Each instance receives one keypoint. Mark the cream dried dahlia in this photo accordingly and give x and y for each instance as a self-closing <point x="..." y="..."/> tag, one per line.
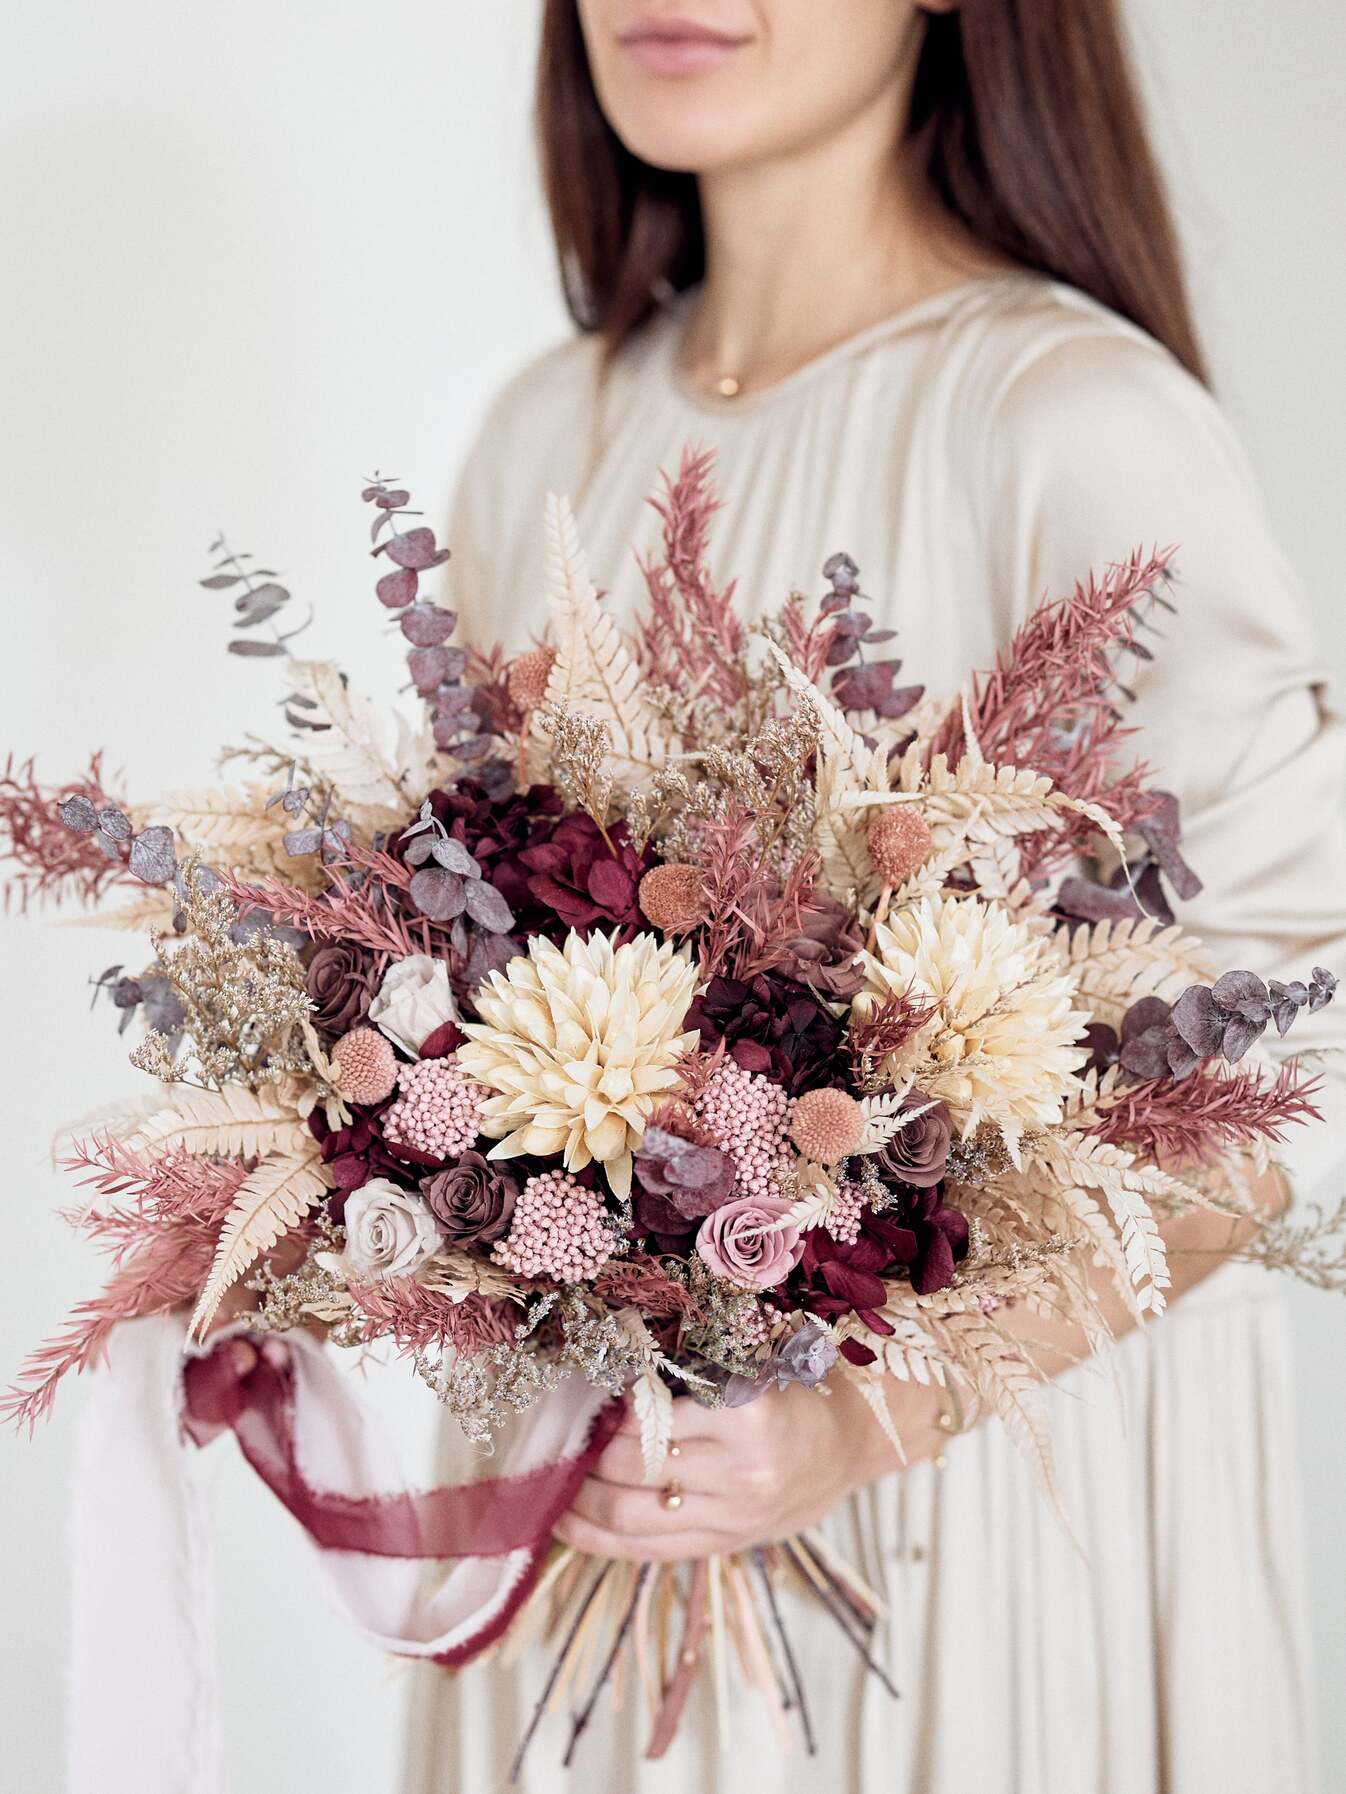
<point x="579" y="1042"/>
<point x="1001" y="1044"/>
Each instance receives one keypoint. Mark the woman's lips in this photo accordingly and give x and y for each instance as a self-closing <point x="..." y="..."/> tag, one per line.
<point x="679" y="47"/>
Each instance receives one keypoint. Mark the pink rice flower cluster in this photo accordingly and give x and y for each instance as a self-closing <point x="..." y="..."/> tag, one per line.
<point x="439" y="1110"/>
<point x="843" y="1218"/>
<point x="559" y="1230"/>
<point x="749" y="1117"/>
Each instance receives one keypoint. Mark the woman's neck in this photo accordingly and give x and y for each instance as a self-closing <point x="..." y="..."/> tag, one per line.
<point x="806" y="250"/>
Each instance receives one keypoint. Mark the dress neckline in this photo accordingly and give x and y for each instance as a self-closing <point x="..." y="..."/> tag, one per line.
<point x="676" y="317"/>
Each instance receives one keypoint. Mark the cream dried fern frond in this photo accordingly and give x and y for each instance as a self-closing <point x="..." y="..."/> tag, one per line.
<point x="270" y="1201"/>
<point x="375" y="787"/>
<point x="596" y="673"/>
<point x="235" y="1122"/>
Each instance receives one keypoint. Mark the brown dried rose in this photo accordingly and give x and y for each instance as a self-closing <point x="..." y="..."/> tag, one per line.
<point x="472" y="1200"/>
<point x="341" y="980"/>
<point x="916" y="1153"/>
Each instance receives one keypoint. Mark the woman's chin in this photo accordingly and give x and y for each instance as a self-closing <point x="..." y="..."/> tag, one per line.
<point x="685" y="140"/>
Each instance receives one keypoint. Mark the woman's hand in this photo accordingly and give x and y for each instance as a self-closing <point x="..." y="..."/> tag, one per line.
<point x="744" y="1475"/>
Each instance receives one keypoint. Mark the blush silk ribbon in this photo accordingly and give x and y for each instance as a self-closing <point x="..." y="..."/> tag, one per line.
<point x="139" y="1535"/>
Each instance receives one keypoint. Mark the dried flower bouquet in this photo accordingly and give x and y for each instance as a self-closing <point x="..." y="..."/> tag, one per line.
<point x="693" y="1008"/>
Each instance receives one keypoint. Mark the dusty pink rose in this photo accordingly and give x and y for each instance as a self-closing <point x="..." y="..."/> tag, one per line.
<point x="734" y="1243"/>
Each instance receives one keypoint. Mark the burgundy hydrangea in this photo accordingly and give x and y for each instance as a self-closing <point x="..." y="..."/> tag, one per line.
<point x="920" y="1236"/>
<point x="359" y="1152"/>
<point x="773" y="1025"/>
<point x="496" y="831"/>
<point x="585" y="879"/>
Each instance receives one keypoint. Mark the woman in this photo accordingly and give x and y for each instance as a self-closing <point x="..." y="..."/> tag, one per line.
<point x="910" y="273"/>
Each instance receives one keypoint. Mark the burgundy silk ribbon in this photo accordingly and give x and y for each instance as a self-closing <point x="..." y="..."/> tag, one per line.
<point x="249" y="1389"/>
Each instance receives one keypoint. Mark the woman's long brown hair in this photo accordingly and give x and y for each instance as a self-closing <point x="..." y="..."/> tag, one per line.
<point x="1035" y="141"/>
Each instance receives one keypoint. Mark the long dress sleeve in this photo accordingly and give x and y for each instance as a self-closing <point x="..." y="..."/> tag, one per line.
<point x="1101" y="442"/>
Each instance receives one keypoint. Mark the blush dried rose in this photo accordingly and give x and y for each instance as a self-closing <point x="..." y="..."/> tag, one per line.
<point x="471" y="1200"/>
<point x="413" y="1002"/>
<point x="734" y="1242"/>
<point x="389" y="1231"/>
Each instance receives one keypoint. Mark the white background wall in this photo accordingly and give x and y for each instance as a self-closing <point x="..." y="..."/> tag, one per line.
<point x="253" y="252"/>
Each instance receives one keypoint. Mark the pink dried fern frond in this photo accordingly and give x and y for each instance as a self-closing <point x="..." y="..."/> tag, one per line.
<point x="54" y="863"/>
<point x="1188" y="1122"/>
<point x="692" y="637"/>
<point x="166" y="1270"/>
<point x="161" y="1244"/>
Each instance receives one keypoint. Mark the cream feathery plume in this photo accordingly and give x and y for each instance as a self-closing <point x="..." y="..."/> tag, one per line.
<point x="578" y="1043"/>
<point x="1001" y="1044"/>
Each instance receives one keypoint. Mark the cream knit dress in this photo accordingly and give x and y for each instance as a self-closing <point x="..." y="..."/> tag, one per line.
<point x="976" y="451"/>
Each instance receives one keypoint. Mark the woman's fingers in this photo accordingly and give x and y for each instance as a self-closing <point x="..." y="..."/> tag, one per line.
<point x="691" y="1463"/>
<point x="617" y="1507"/>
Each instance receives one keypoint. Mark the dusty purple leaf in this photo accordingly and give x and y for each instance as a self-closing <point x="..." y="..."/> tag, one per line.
<point x="425" y="625"/>
<point x="1239" y="1035"/>
<point x="1242" y="993"/>
<point x="336" y="843"/>
<point x="257" y="650"/>
<point x="301" y="841"/>
<point x="427" y="668"/>
<point x="863" y="687"/>
<point x="476" y="747"/>
<point x="1198" y="1020"/>
<point x="416" y="548"/>
<point x="114" y="824"/>
<point x="392" y="500"/>
<point x="219" y="582"/>
<point x="1149" y="1012"/>
<point x="1286" y="1002"/>
<point x="1162" y="834"/>
<point x="153" y="860"/>
<point x="900" y="700"/>
<point x="259" y="604"/>
<point x="110" y="849"/>
<point x="438" y="894"/>
<point x="397" y="589"/>
<point x="78" y="813"/>
<point x="841" y="572"/>
<point x="488" y="908"/>
<point x="420" y="850"/>
<point x="454" y="857"/>
<point x="1322" y="988"/>
<point x="489" y="953"/>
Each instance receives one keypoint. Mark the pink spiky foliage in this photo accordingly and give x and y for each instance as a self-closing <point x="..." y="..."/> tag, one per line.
<point x="1051" y="702"/>
<point x="807" y="641"/>
<point x="1190" y="1121"/>
<point x="692" y="637"/>
<point x="641" y="1282"/>
<point x="417" y="1319"/>
<point x="55" y="863"/>
<point x="487" y="672"/>
<point x="885" y="1029"/>
<point x="158" y="1216"/>
<point x="751" y="916"/>
<point x="375" y="912"/>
